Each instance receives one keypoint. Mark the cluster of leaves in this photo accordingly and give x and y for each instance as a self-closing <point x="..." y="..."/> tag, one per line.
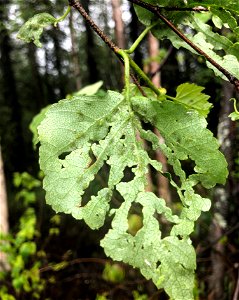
<point x="20" y="248"/>
<point x="80" y="135"/>
<point x="222" y="14"/>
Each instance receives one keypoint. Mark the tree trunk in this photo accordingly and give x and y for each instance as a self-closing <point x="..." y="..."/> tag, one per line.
<point x="4" y="226"/>
<point x="162" y="182"/>
<point x="119" y="30"/>
<point x="90" y="48"/>
<point x="74" y="53"/>
<point x="222" y="195"/>
<point x="38" y="89"/>
<point x="119" y="24"/>
<point x="13" y="126"/>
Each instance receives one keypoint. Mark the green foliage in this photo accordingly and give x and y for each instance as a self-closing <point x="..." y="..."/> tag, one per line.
<point x="198" y="32"/>
<point x="32" y="30"/>
<point x="87" y="132"/>
<point x="190" y="96"/>
<point x="113" y="273"/>
<point x="20" y="248"/>
<point x="234" y="115"/>
<point x="94" y="131"/>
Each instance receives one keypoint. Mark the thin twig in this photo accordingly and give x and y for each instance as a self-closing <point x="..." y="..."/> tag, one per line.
<point x="157" y="11"/>
<point x="77" y="5"/>
<point x="196" y="9"/>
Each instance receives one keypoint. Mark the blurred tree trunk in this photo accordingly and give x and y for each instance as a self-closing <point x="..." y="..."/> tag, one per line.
<point x="37" y="83"/>
<point x="119" y="30"/>
<point x="58" y="54"/>
<point x="90" y="48"/>
<point x="13" y="127"/>
<point x="51" y="96"/>
<point x="119" y="24"/>
<point x="58" y="63"/>
<point x="4" y="226"/>
<point x="162" y="182"/>
<point x="222" y="196"/>
<point x="74" y="53"/>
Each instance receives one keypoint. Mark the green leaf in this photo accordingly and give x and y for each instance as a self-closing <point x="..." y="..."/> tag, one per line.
<point x="190" y="96"/>
<point x="234" y="116"/>
<point x="90" y="89"/>
<point x="81" y="135"/>
<point x="85" y="120"/>
<point x="32" y="30"/>
<point x="186" y="138"/>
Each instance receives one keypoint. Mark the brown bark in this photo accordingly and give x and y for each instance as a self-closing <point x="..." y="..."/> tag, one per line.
<point x="74" y="53"/>
<point x="162" y="182"/>
<point x="222" y="195"/>
<point x="119" y="24"/>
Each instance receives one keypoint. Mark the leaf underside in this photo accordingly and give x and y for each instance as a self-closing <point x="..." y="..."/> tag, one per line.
<point x="81" y="135"/>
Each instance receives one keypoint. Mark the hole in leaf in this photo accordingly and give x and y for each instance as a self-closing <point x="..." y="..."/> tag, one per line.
<point x="135" y="219"/>
<point x="117" y="199"/>
<point x="164" y="225"/>
<point x="188" y="166"/>
<point x="128" y="174"/>
<point x="158" y="263"/>
<point x="100" y="181"/>
<point x="64" y="155"/>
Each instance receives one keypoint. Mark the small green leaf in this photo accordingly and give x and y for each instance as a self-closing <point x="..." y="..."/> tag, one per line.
<point x="90" y="89"/>
<point x="32" y="30"/>
<point x="191" y="96"/>
<point x="234" y="116"/>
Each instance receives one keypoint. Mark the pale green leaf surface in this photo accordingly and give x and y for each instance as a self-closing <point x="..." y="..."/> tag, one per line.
<point x="81" y="135"/>
<point x="191" y="96"/>
<point x="234" y="116"/>
<point x="90" y="89"/>
<point x="83" y="121"/>
<point x="32" y="30"/>
<point x="186" y="135"/>
<point x="226" y="17"/>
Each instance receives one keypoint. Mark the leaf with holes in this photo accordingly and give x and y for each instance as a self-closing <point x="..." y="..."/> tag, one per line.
<point x="81" y="135"/>
<point x="32" y="30"/>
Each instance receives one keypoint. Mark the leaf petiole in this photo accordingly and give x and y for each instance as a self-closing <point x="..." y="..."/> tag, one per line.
<point x="126" y="58"/>
<point x="63" y="16"/>
<point x="140" y="38"/>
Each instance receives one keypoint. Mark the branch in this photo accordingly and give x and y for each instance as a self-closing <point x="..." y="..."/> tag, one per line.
<point x="196" y="9"/>
<point x="157" y="11"/>
<point x="77" y="5"/>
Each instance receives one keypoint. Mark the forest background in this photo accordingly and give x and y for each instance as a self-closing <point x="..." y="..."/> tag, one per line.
<point x="61" y="257"/>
